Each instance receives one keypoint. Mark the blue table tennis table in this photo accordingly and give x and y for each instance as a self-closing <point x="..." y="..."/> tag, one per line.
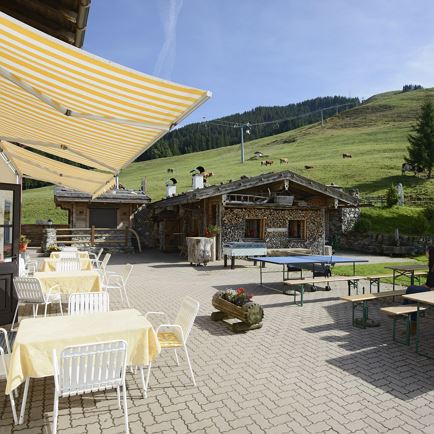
<point x="299" y="261"/>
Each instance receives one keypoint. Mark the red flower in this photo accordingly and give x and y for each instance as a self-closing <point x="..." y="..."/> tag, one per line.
<point x="240" y="291"/>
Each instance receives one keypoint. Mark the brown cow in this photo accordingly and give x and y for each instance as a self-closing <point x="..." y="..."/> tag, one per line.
<point x="347" y="155"/>
<point x="283" y="161"/>
<point x="267" y="163"/>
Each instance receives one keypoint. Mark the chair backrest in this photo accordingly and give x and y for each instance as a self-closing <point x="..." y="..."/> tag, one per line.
<point x="28" y="289"/>
<point x="186" y="315"/>
<point x="104" y="262"/>
<point x="88" y="302"/>
<point x="89" y="368"/>
<point x="101" y="250"/>
<point x="69" y="249"/>
<point x="126" y="272"/>
<point x="68" y="255"/>
<point x="21" y="267"/>
<point x="68" y="264"/>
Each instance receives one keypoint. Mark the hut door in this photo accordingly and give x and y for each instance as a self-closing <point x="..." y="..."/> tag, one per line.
<point x="10" y="204"/>
<point x="103" y="217"/>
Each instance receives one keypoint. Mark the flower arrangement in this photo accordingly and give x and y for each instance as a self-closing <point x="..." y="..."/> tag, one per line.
<point x="24" y="241"/>
<point x="237" y="296"/>
<point x="212" y="231"/>
<point x="53" y="248"/>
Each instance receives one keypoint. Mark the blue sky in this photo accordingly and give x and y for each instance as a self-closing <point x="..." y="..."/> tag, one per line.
<point x="275" y="52"/>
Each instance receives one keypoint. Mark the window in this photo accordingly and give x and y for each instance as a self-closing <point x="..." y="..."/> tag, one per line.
<point x="296" y="229"/>
<point x="254" y="228"/>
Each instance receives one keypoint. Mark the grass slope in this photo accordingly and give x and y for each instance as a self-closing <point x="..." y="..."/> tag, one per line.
<point x="375" y="133"/>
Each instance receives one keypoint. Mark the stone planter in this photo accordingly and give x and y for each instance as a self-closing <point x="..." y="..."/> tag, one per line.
<point x="250" y="314"/>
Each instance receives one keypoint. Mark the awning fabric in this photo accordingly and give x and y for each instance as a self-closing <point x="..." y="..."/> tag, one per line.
<point x="35" y="166"/>
<point x="64" y="101"/>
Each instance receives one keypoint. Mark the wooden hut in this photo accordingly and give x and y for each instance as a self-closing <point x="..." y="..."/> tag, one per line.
<point x="283" y="209"/>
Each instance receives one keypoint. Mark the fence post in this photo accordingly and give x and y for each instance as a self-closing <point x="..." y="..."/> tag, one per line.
<point x="92" y="236"/>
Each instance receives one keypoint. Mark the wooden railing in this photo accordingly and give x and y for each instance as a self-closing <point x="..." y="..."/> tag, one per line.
<point x="98" y="237"/>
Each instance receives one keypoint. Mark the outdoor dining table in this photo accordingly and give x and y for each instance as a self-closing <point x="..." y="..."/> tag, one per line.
<point x="406" y="270"/>
<point x="420" y="298"/>
<point x="37" y="338"/>
<point x="49" y="264"/>
<point x="70" y="281"/>
<point x="81" y="255"/>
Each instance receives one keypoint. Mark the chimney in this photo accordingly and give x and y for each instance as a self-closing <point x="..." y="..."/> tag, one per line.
<point x="171" y="187"/>
<point x="197" y="181"/>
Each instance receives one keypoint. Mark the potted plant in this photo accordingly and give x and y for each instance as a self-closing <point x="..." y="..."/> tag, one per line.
<point x="212" y="231"/>
<point x="52" y="248"/>
<point x="24" y="242"/>
<point x="237" y="303"/>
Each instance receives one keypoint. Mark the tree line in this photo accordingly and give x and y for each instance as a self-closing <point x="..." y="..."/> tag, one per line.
<point x="213" y="134"/>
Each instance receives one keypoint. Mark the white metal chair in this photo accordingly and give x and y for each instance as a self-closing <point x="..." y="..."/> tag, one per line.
<point x="90" y="368"/>
<point x="4" y="367"/>
<point x="29" y="291"/>
<point x="69" y="249"/>
<point x="103" y="264"/>
<point x="68" y="264"/>
<point x="88" y="303"/>
<point x="118" y="281"/>
<point x="177" y="337"/>
<point x="73" y="254"/>
<point x="26" y="267"/>
<point x="96" y="258"/>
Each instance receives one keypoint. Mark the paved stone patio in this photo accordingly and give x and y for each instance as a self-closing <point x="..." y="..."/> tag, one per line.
<point x="306" y="371"/>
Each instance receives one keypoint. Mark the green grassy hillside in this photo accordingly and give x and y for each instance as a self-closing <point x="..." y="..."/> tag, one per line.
<point x="375" y="134"/>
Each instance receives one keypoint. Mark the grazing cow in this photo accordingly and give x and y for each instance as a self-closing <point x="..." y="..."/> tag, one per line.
<point x="267" y="163"/>
<point x="207" y="175"/>
<point x="283" y="161"/>
<point x="347" y="155"/>
<point x="308" y="167"/>
<point x="170" y="170"/>
<point x="410" y="167"/>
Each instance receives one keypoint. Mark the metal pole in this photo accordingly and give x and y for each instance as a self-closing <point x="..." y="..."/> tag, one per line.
<point x="322" y="119"/>
<point x="242" y="143"/>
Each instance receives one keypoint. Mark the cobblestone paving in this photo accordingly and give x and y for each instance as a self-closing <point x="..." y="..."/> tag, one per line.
<point x="306" y="371"/>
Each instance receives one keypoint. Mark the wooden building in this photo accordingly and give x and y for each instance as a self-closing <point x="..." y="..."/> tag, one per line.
<point x="64" y="19"/>
<point x="285" y="210"/>
<point x="113" y="209"/>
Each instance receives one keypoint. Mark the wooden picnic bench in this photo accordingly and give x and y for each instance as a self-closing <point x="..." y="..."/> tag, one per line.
<point x="375" y="280"/>
<point x="404" y="312"/>
<point x="363" y="299"/>
<point x="299" y="284"/>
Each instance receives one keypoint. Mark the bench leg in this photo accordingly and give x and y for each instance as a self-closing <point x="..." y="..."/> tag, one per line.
<point x="365" y="313"/>
<point x="232" y="262"/>
<point x="225" y="261"/>
<point x="408" y="330"/>
<point x="394" y="329"/>
<point x="301" y="295"/>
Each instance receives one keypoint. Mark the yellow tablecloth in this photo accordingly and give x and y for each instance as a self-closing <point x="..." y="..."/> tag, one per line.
<point x="70" y="281"/>
<point x="50" y="264"/>
<point x="82" y="255"/>
<point x="38" y="337"/>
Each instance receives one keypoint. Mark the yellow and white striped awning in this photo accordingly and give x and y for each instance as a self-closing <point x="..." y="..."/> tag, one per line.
<point x="69" y="103"/>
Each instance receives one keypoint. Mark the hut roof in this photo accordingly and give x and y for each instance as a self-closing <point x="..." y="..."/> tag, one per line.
<point x="256" y="181"/>
<point x="62" y="195"/>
